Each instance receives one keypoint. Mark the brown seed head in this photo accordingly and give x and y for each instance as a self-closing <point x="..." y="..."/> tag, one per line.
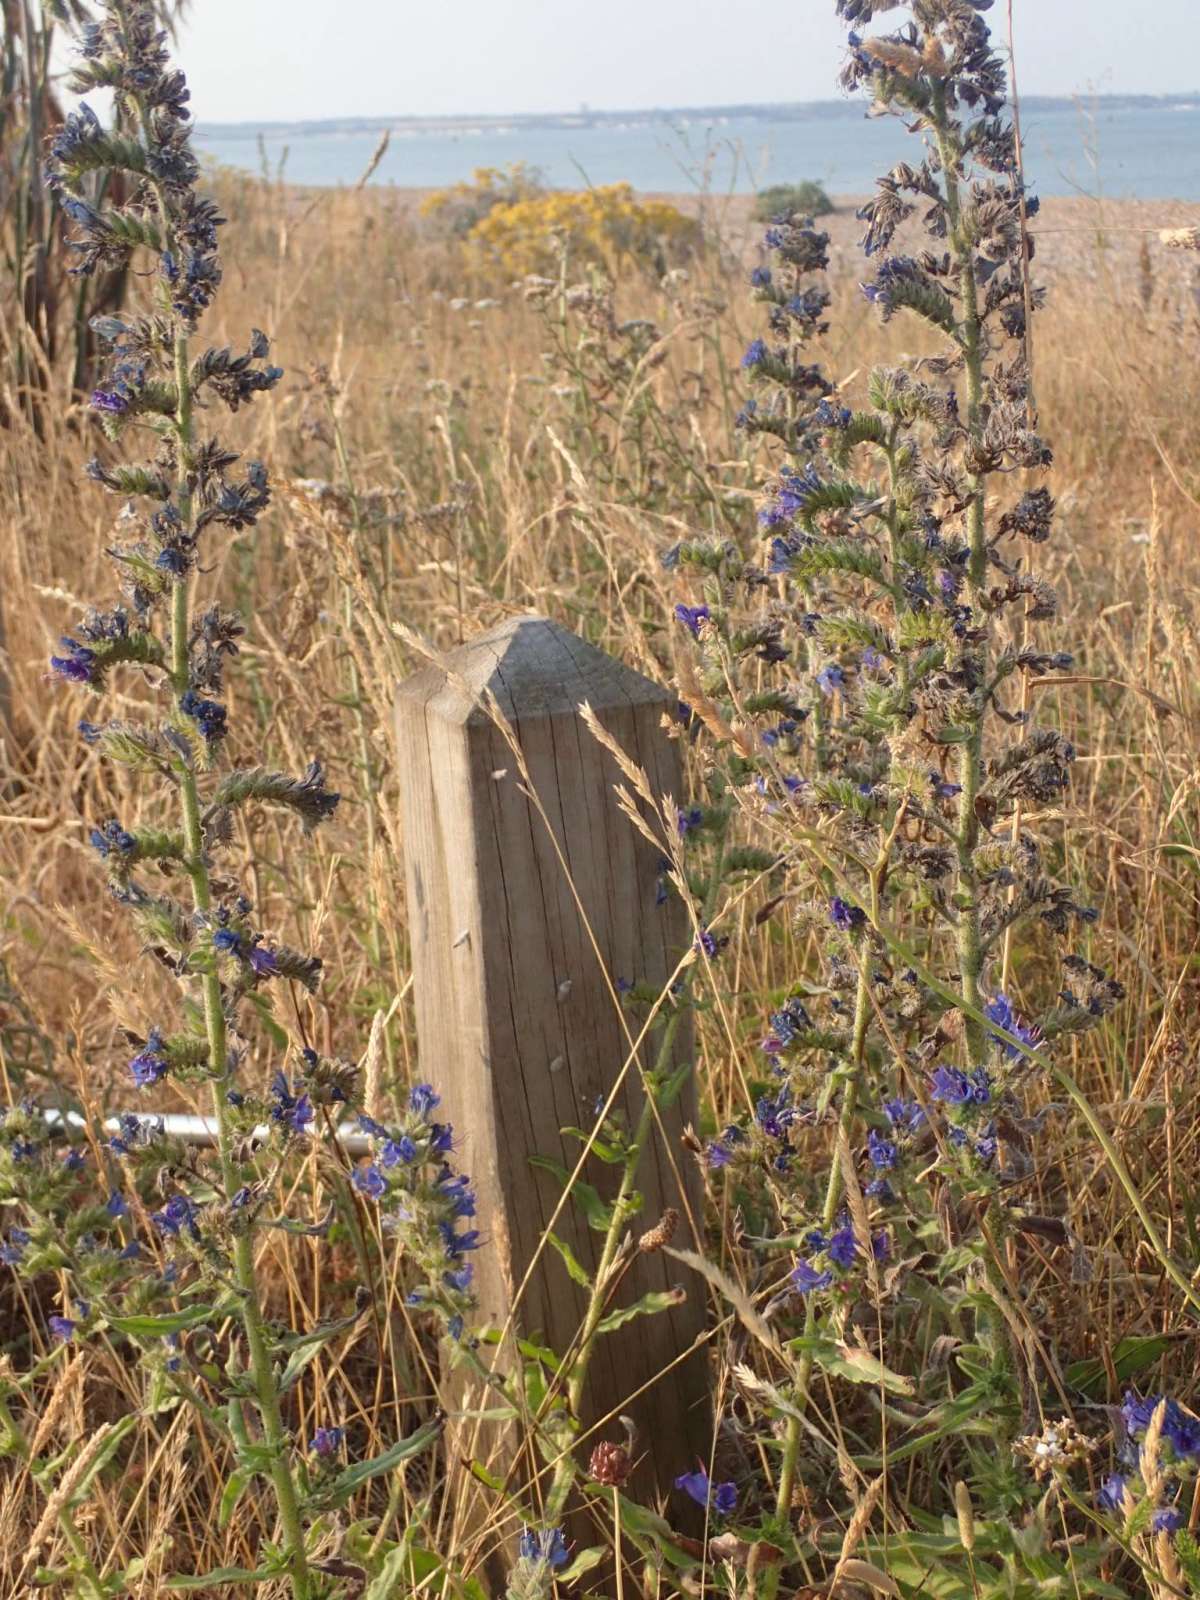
<point x="610" y="1464"/>
<point x="661" y="1234"/>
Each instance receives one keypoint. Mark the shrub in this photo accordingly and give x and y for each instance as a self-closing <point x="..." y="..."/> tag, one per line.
<point x="510" y="219"/>
<point x="454" y="212"/>
<point x="786" y="199"/>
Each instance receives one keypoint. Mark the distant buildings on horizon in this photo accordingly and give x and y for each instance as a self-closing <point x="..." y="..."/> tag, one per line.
<point x="585" y="117"/>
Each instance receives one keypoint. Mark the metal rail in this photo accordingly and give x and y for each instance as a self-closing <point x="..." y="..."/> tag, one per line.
<point x="201" y="1131"/>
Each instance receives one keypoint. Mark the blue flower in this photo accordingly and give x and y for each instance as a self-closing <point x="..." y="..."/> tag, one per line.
<point x="208" y="715"/>
<point x="756" y="354"/>
<point x="112" y="839"/>
<point x="941" y="789"/>
<point x="792" y="496"/>
<point x="688" y="820"/>
<point x="398" y="1152"/>
<point x="775" y="1115"/>
<point x="292" y="1110"/>
<point x="1111" y="1493"/>
<point x="828" y="415"/>
<point x="987" y="1147"/>
<point x="692" y="617"/>
<point x="955" y="1087"/>
<point x="457" y="1192"/>
<point x="906" y="1116"/>
<point x="457" y="1243"/>
<point x="842" y="1248"/>
<point x="62" y="1328"/>
<point x="1000" y="1011"/>
<point x="150" y="1064"/>
<point x="13" y="1248"/>
<point x="264" y="962"/>
<point x="370" y="1181"/>
<point x="178" y="1213"/>
<point x="78" y="665"/>
<point x="845" y="916"/>
<point x="460" y="1278"/>
<point x="327" y="1442"/>
<point x="130" y="1132"/>
<point x="108" y="400"/>
<point x="1167" y="1519"/>
<point x="760" y="278"/>
<point x="831" y="678"/>
<point x="881" y="1152"/>
<point x="423" y="1100"/>
<point x="805" y="1278"/>
<point x="546" y="1545"/>
<point x="720" y="1497"/>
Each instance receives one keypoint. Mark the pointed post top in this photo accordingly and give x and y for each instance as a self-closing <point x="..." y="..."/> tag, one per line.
<point x="533" y="666"/>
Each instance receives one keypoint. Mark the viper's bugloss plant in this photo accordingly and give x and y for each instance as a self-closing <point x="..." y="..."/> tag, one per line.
<point x="866" y="672"/>
<point x="159" y="1246"/>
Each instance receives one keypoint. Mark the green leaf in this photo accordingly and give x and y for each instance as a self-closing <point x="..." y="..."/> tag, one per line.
<point x="957" y="1417"/>
<point x="148" y="1327"/>
<point x="656" y="1300"/>
<point x="402" y="1570"/>
<point x="849" y="1362"/>
<point x="305" y="1346"/>
<point x="597" y="1147"/>
<point x="206" y="1580"/>
<point x="578" y="1272"/>
<point x="488" y="1479"/>
<point x="360" y="1472"/>
<point x="230" y="1495"/>
<point x="583" y="1562"/>
<point x="1129" y="1357"/>
<point x="599" y="1215"/>
<point x="673" y="1086"/>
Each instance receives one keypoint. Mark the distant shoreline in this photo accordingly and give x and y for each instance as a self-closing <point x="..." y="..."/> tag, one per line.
<point x="573" y="121"/>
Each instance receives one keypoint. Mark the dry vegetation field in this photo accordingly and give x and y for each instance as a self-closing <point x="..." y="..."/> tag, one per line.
<point x="447" y="453"/>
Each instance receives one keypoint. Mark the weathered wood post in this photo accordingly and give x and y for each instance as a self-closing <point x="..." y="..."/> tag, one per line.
<point x="516" y="1019"/>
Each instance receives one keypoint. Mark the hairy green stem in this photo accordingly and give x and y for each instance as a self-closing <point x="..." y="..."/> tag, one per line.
<point x="250" y="1306"/>
<point x="970" y="764"/>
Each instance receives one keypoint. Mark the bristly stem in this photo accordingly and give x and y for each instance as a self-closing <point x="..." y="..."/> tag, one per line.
<point x="250" y="1306"/>
<point x="970" y="764"/>
<point x="214" y="1022"/>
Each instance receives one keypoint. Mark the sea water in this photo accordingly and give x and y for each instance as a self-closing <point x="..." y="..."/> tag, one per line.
<point x="1112" y="148"/>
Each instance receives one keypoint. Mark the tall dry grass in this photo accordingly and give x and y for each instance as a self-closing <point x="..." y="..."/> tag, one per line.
<point x="444" y="456"/>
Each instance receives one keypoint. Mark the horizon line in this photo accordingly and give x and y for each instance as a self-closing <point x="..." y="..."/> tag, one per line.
<point x="586" y="113"/>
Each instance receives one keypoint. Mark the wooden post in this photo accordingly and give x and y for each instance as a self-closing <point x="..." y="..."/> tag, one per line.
<point x="516" y="1018"/>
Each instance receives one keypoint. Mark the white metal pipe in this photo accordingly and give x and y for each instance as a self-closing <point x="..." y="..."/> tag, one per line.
<point x="202" y="1131"/>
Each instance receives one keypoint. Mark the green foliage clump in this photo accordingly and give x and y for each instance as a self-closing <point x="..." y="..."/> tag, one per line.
<point x="786" y="199"/>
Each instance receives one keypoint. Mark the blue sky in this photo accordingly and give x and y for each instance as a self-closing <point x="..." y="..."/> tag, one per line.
<point x="264" y="60"/>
